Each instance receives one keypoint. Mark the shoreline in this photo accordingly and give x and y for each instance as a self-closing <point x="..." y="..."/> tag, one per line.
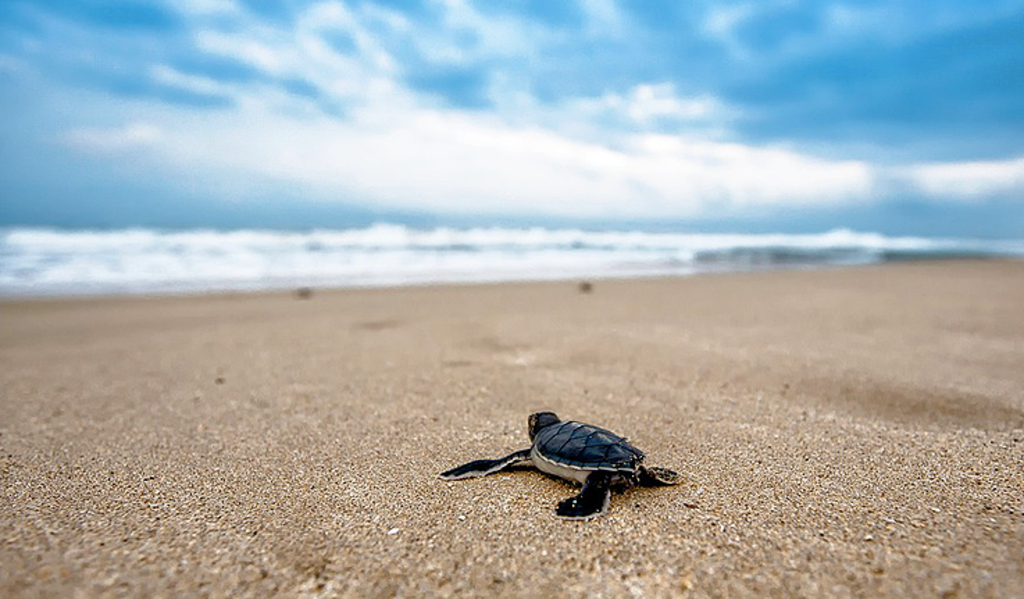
<point x="842" y="431"/>
<point x="147" y="261"/>
<point x="329" y="288"/>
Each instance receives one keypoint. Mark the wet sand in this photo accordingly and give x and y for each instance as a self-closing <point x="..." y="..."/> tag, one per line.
<point x="853" y="432"/>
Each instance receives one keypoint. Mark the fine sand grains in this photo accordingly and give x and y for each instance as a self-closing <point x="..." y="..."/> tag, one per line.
<point x="854" y="432"/>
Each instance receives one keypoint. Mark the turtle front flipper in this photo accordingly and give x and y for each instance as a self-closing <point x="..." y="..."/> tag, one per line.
<point x="591" y="502"/>
<point x="658" y="477"/>
<point x="484" y="467"/>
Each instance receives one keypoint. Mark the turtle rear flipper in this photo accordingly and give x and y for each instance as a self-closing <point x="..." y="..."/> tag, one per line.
<point x="484" y="467"/>
<point x="652" y="476"/>
<point x="591" y="502"/>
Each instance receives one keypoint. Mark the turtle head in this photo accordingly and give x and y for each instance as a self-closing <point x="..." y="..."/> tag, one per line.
<point x="540" y="420"/>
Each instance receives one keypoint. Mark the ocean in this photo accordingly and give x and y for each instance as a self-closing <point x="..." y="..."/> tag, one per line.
<point x="54" y="262"/>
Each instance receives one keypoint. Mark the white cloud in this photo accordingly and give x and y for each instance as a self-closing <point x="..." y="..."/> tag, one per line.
<point x="722" y="20"/>
<point x="607" y="155"/>
<point x="243" y="48"/>
<point x="720" y="23"/>
<point x="207" y="7"/>
<point x="303" y="52"/>
<point x="327" y="15"/>
<point x="465" y="36"/>
<point x="968" y="180"/>
<point x="396" y="149"/>
<point x="604" y="18"/>
<point x="129" y="137"/>
<point x="171" y="77"/>
<point x="649" y="102"/>
<point x="646" y="103"/>
<point x="419" y="158"/>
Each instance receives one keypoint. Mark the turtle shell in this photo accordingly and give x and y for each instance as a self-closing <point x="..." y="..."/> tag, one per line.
<point x="586" y="447"/>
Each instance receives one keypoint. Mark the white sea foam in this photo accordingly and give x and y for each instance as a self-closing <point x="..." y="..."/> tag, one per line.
<point x="54" y="262"/>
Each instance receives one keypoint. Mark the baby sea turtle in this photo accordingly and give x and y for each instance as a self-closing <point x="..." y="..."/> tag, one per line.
<point x="581" y="453"/>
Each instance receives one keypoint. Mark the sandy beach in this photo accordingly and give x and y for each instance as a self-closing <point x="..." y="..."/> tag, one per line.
<point x="848" y="432"/>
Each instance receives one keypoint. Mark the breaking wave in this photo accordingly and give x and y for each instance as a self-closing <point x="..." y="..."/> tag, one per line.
<point x="35" y="261"/>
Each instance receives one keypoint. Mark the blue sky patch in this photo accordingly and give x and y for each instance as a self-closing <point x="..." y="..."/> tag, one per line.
<point x="639" y="111"/>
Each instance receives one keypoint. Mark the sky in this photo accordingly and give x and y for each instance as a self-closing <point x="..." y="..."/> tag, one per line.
<point x="776" y="115"/>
